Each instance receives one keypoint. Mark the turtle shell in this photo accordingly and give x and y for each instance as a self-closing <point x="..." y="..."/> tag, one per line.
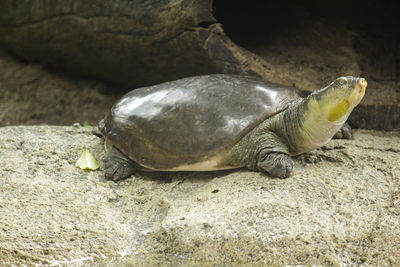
<point x="192" y="119"/>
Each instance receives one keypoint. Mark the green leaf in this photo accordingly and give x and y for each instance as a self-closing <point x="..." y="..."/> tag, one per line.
<point x="87" y="161"/>
<point x="86" y="124"/>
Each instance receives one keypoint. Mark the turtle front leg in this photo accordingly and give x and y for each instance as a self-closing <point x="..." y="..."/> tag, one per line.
<point x="117" y="166"/>
<point x="262" y="151"/>
<point x="276" y="164"/>
<point x="345" y="132"/>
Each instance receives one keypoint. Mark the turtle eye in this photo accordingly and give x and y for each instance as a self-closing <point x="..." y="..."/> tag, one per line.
<point x="341" y="81"/>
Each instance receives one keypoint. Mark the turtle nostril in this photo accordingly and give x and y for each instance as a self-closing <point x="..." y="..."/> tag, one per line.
<point x="362" y="83"/>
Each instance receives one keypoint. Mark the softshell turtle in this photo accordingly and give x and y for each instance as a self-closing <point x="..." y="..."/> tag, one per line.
<point x="219" y="121"/>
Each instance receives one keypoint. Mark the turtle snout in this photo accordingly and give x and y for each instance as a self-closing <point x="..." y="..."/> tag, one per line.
<point x="358" y="91"/>
<point x="362" y="84"/>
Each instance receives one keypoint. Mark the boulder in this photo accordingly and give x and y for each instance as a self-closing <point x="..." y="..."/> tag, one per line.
<point x="129" y="43"/>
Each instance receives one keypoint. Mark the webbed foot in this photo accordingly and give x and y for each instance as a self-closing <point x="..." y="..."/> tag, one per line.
<point x="344" y="133"/>
<point x="277" y="165"/>
<point x="117" y="166"/>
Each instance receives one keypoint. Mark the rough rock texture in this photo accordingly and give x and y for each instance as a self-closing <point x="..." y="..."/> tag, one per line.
<point x="126" y="42"/>
<point x="30" y="94"/>
<point x="341" y="207"/>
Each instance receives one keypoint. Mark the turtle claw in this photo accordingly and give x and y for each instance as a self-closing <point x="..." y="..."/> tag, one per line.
<point x="344" y="133"/>
<point x="277" y="165"/>
<point x="117" y="166"/>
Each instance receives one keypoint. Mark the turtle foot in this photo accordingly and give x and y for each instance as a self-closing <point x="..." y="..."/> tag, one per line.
<point x="277" y="165"/>
<point x="344" y="133"/>
<point x="117" y="166"/>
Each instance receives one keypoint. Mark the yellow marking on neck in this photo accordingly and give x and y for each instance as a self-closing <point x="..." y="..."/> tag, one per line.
<point x="339" y="110"/>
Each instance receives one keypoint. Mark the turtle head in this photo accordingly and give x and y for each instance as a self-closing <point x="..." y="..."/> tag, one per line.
<point x="324" y="111"/>
<point x="336" y="101"/>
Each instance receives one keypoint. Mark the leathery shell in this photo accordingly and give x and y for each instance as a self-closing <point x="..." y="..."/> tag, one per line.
<point x="190" y="120"/>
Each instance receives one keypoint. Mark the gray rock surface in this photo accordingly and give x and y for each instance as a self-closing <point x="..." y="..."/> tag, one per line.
<point x="342" y="206"/>
<point x="31" y="95"/>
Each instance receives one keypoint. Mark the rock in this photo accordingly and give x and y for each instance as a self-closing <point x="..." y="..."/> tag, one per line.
<point x="341" y="207"/>
<point x="31" y="94"/>
<point x="129" y="43"/>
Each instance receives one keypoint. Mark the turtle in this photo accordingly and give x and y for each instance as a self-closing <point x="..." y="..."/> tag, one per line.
<point x="223" y="121"/>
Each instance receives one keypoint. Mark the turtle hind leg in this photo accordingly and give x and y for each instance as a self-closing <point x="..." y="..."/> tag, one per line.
<point x="345" y="132"/>
<point x="117" y="166"/>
